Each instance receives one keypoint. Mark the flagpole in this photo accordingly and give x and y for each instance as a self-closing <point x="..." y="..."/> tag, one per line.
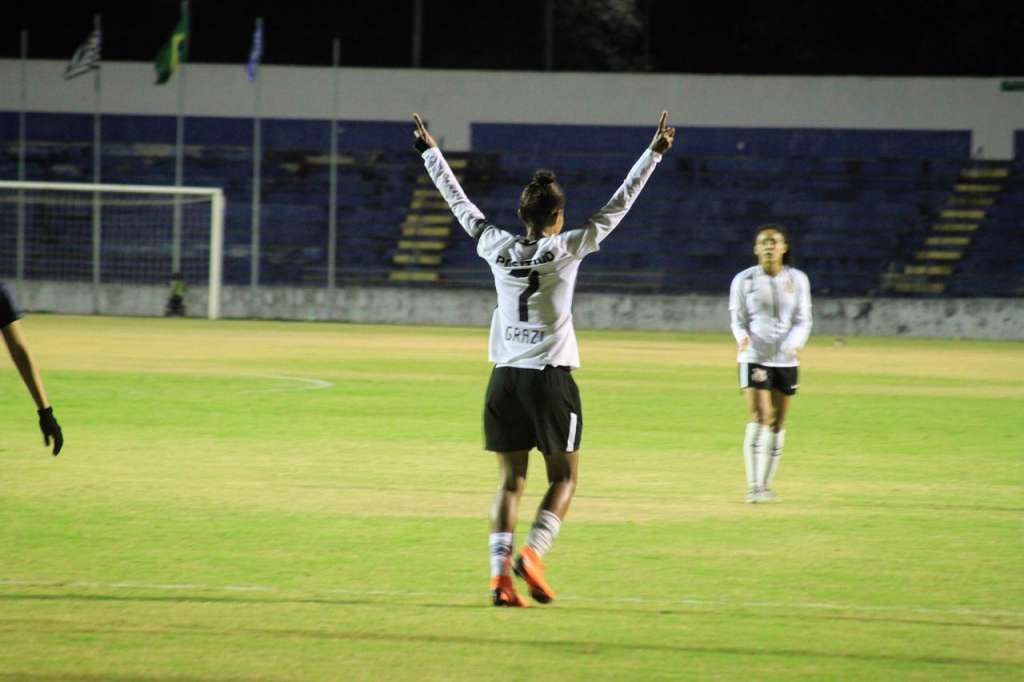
<point x="20" y="257"/>
<point x="332" y="221"/>
<point x="97" y="226"/>
<point x="179" y="153"/>
<point x="179" y="156"/>
<point x="257" y="158"/>
<point x="97" y="101"/>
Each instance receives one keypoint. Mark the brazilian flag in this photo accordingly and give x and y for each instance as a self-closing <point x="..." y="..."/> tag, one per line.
<point x="175" y="50"/>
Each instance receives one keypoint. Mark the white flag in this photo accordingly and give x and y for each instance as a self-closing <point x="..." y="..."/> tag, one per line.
<point x="86" y="57"/>
<point x="255" y="52"/>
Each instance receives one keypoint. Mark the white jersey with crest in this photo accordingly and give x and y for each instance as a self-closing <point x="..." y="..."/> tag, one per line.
<point x="532" y="324"/>
<point x="773" y="312"/>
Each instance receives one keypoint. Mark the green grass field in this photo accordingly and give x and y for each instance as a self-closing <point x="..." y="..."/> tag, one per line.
<point x="300" y="501"/>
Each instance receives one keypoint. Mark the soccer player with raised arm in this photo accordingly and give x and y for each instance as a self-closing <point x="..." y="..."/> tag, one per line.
<point x="770" y="307"/>
<point x="15" y="340"/>
<point x="532" y="400"/>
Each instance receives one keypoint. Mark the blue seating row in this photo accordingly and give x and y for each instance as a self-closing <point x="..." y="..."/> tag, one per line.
<point x="851" y="198"/>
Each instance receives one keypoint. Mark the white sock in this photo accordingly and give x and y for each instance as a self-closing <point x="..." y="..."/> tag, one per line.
<point x="501" y="550"/>
<point x="748" y="452"/>
<point x="762" y="453"/>
<point x="542" y="533"/>
<point x="773" y="463"/>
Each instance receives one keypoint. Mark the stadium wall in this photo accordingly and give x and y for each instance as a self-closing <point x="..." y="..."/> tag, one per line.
<point x="976" y="318"/>
<point x="452" y="100"/>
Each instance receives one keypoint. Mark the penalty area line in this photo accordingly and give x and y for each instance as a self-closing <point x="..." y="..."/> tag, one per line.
<point x="713" y="603"/>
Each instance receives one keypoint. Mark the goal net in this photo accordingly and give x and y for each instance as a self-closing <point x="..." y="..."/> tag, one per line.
<point x="113" y="237"/>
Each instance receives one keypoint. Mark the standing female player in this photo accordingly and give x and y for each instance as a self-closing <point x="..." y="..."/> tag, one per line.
<point x="532" y="400"/>
<point x="770" y="306"/>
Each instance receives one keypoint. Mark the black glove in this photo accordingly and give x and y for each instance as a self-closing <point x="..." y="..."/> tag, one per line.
<point x="420" y="146"/>
<point x="50" y="428"/>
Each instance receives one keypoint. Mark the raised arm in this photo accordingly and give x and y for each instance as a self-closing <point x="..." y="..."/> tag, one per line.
<point x="601" y="224"/>
<point x="468" y="215"/>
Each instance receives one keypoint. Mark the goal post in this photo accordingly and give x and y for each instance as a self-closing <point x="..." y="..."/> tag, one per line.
<point x="111" y="234"/>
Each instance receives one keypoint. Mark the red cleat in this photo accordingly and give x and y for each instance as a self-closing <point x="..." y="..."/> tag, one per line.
<point x="528" y="566"/>
<point x="503" y="593"/>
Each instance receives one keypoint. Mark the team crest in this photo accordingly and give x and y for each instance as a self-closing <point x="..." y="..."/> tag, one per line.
<point x="790" y="286"/>
<point x="759" y="375"/>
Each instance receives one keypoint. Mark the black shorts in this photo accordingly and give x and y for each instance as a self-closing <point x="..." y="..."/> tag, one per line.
<point x="785" y="380"/>
<point x="527" y="408"/>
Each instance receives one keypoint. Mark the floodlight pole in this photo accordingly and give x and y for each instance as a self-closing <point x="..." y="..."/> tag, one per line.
<point x="417" y="33"/>
<point x="332" y="211"/>
<point x="549" y="34"/>
<point x="20" y="246"/>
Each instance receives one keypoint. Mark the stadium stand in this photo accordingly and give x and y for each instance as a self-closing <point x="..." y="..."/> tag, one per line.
<point x="991" y="261"/>
<point x="852" y="200"/>
<point x="870" y="212"/>
<point x="374" y="184"/>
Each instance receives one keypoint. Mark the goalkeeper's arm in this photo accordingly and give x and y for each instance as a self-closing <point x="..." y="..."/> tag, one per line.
<point x="15" y="341"/>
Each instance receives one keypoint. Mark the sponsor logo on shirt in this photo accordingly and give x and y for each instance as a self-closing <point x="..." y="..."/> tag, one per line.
<point x="545" y="257"/>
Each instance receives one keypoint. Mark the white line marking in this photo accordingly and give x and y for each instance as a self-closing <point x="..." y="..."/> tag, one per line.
<point x="720" y="603"/>
<point x="170" y="586"/>
<point x="311" y="384"/>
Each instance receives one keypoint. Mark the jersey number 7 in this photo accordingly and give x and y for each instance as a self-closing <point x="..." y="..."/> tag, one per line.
<point x="531" y="288"/>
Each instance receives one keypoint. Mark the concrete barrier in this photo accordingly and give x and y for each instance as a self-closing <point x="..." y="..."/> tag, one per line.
<point x="975" y="318"/>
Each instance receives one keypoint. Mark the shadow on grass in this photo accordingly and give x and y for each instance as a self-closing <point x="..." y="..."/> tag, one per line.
<point x="76" y="677"/>
<point x="930" y="506"/>
<point x="193" y="599"/>
<point x="565" y="646"/>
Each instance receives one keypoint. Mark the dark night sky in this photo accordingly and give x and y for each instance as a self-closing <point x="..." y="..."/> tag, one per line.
<point x="901" y="37"/>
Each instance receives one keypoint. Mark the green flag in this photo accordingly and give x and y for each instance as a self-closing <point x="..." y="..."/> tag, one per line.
<point x="175" y="50"/>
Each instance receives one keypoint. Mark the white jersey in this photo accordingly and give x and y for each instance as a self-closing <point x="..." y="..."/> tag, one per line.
<point x="532" y="324"/>
<point x="773" y="312"/>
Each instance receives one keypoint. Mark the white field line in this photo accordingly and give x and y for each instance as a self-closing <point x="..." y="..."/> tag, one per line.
<point x="309" y="383"/>
<point x="717" y="603"/>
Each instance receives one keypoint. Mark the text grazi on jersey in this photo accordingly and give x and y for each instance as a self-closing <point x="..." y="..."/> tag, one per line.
<point x="523" y="335"/>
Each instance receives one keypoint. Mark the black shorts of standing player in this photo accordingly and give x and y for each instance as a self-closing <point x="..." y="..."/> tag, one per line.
<point x="527" y="408"/>
<point x="785" y="380"/>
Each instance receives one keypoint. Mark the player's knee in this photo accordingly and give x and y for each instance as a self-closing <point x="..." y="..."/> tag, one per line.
<point x="567" y="485"/>
<point x="514" y="485"/>
<point x="563" y="476"/>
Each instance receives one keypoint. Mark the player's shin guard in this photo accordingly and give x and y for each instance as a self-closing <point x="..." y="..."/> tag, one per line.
<point x="762" y="453"/>
<point x="776" y="455"/>
<point x="749" y="434"/>
<point x="543" y="532"/>
<point x="501" y="553"/>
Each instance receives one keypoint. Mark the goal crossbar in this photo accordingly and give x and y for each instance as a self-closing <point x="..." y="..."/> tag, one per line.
<point x="100" y="187"/>
<point x="217" y="206"/>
